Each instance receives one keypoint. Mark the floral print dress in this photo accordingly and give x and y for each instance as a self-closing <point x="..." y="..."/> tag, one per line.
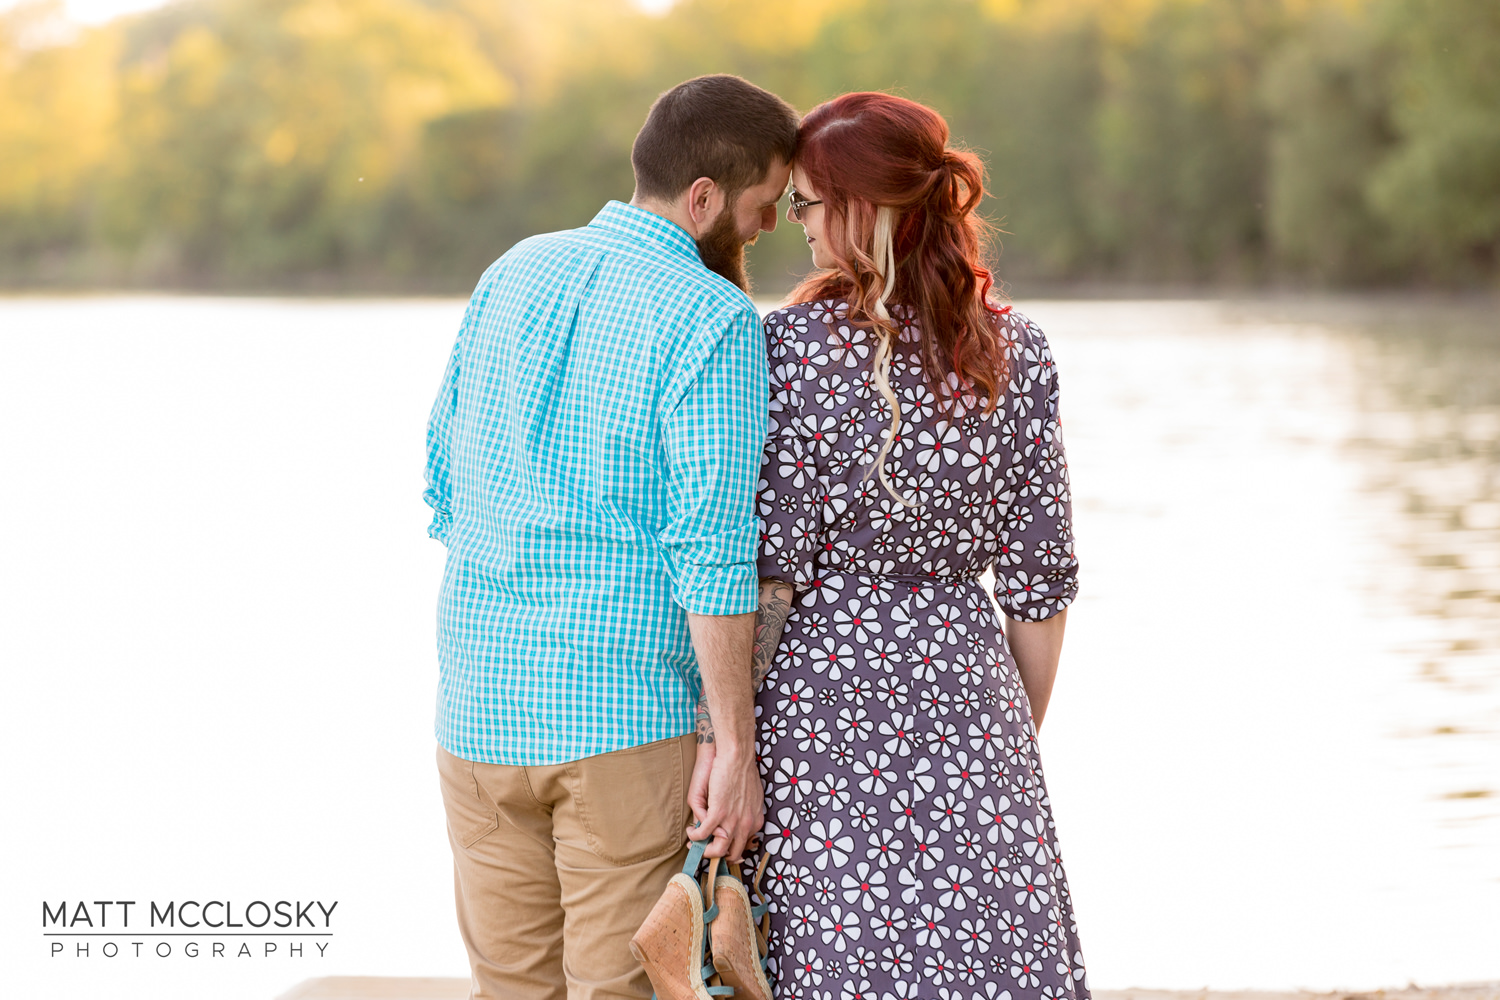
<point x="911" y="842"/>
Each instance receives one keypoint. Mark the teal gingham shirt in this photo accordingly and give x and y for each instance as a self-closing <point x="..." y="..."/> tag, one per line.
<point x="591" y="464"/>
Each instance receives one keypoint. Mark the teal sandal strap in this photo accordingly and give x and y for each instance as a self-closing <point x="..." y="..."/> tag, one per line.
<point x="694" y="857"/>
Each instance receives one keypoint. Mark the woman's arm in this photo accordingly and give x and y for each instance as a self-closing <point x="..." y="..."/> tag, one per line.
<point x="1036" y="647"/>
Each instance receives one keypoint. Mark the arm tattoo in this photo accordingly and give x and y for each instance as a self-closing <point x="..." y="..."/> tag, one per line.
<point x="705" y="724"/>
<point x="770" y="620"/>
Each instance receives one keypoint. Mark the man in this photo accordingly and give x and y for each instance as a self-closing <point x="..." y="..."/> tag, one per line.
<point x="592" y="461"/>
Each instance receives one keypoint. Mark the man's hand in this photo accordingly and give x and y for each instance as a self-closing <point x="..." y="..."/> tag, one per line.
<point x="727" y="800"/>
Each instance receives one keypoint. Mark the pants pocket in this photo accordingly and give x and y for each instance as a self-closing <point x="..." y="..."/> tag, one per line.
<point x="471" y="814"/>
<point x="632" y="803"/>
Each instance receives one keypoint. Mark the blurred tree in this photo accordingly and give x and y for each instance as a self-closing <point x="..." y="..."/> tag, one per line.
<point x="1326" y="90"/>
<point x="262" y="138"/>
<point x="1440" y="187"/>
<point x="57" y="115"/>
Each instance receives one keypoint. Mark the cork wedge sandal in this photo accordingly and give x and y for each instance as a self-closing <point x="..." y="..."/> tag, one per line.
<point x="673" y="942"/>
<point x="740" y="934"/>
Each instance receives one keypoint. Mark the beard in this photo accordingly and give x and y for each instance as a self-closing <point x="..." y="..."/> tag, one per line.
<point x="723" y="251"/>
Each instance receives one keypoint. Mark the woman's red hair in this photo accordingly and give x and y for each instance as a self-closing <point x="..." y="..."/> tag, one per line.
<point x="864" y="151"/>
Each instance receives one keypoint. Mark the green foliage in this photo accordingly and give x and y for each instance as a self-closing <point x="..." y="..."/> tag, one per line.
<point x="406" y="143"/>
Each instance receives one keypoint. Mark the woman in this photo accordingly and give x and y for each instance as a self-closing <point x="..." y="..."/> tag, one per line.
<point x="914" y="445"/>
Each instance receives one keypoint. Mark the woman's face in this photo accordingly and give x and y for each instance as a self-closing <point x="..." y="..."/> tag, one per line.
<point x="812" y="220"/>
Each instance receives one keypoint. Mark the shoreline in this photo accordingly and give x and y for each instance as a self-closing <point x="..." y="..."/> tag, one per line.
<point x="441" y="988"/>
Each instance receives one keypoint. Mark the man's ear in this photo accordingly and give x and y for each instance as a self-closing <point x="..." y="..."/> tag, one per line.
<point x="705" y="200"/>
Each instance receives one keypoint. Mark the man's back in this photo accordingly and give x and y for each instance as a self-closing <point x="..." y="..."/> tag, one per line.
<point x="593" y="457"/>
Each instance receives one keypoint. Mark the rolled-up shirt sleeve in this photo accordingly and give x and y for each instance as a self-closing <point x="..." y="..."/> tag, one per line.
<point x="713" y="430"/>
<point x="438" y="494"/>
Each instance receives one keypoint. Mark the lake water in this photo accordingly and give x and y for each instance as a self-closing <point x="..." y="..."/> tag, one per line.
<point x="1273" y="751"/>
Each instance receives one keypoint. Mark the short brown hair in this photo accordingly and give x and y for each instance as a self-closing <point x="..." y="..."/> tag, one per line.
<point x="721" y="127"/>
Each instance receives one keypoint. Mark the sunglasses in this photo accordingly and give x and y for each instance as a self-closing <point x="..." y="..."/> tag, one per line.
<point x="799" y="203"/>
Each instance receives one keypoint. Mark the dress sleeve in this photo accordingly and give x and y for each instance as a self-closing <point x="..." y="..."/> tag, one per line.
<point x="789" y="491"/>
<point x="711" y="433"/>
<point x="1036" y="573"/>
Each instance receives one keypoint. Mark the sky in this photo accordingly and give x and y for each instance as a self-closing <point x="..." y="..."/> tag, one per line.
<point x="100" y="11"/>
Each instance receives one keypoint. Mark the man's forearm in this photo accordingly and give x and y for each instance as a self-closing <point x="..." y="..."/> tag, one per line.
<point x="770" y="621"/>
<point x="723" y="645"/>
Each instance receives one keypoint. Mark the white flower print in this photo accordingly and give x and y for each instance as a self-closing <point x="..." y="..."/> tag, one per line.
<point x="865" y="886"/>
<point x="861" y="620"/>
<point x="1054" y="497"/>
<point x="984" y="736"/>
<point x="850" y="345"/>
<point x="943" y="738"/>
<point x="1024" y="787"/>
<point x="876" y="590"/>
<point x="864" y="816"/>
<point x="876" y="772"/>
<point x="792" y="464"/>
<point x="964" y="776"/>
<point x="891" y="692"/>
<point x="1014" y="710"/>
<point x="802" y="921"/>
<point x="832" y="658"/>
<point x="832" y="392"/>
<point x="1031" y="888"/>
<point x="780" y="832"/>
<point x="829" y="589"/>
<point x="1021" y="587"/>
<point x="812" y="734"/>
<point x="885" y="848"/>
<point x="825" y="844"/>
<point x="911" y="885"/>
<point x="983" y="458"/>
<point x="988" y="907"/>
<point x="920" y="775"/>
<point x="934" y="701"/>
<point x="927" y="660"/>
<point x="1034" y="842"/>
<point x="995" y="819"/>
<point x="807" y="967"/>
<point x="937" y="447"/>
<point x="796" y="697"/>
<point x="1012" y="929"/>
<point x="996" y="869"/>
<point x="956" y="890"/>
<point x="928" y="853"/>
<point x="967" y="843"/>
<point x="948" y="624"/>
<point x="1024" y="969"/>
<point x="974" y="936"/>
<point x="929" y="926"/>
<point x="860" y="991"/>
<point x="904" y="807"/>
<point x="897" y="959"/>
<point x="854" y="723"/>
<point x="823" y="892"/>
<point x="790" y="778"/>
<point x="901" y="732"/>
<point x="832" y="790"/>
<point x="773" y="730"/>
<point x="937" y="968"/>
<point x="888" y="923"/>
<point x="839" y="927"/>
<point x="858" y="690"/>
<point x="969" y="969"/>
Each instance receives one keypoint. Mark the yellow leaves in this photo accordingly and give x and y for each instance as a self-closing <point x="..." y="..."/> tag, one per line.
<point x="58" y="108"/>
<point x="281" y="146"/>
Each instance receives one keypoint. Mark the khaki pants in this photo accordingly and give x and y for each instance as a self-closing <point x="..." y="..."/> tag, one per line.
<point x="555" y="867"/>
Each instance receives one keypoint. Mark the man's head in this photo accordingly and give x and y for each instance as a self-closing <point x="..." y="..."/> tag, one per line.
<point x="714" y="157"/>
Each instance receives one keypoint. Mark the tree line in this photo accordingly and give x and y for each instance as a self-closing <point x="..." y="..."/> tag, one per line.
<point x="403" y="144"/>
